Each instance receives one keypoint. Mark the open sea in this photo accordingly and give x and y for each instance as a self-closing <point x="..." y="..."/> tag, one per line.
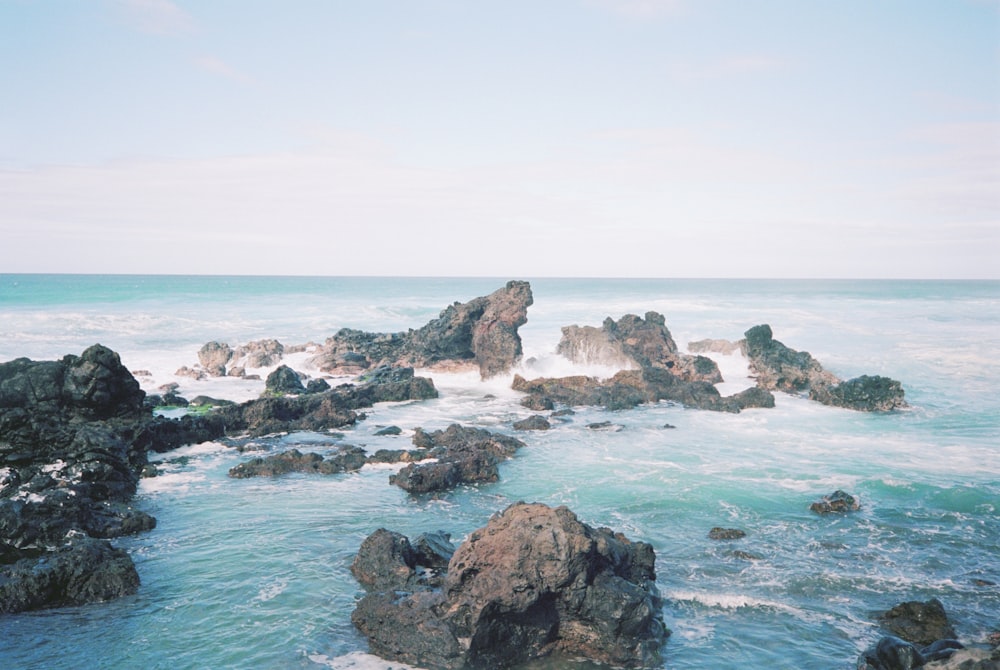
<point x="254" y="573"/>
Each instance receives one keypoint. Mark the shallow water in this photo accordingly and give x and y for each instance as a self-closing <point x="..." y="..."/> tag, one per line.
<point x="255" y="573"/>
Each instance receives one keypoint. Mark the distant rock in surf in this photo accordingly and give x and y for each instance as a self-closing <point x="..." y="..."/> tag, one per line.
<point x="481" y="333"/>
<point x="535" y="581"/>
<point x="780" y="368"/>
<point x="837" y="502"/>
<point x="635" y="342"/>
<point x="630" y="388"/>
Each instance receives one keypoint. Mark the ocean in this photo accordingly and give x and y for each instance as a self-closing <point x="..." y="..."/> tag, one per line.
<point x="255" y="573"/>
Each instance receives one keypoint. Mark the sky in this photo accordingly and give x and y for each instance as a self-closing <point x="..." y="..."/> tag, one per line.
<point x="619" y="138"/>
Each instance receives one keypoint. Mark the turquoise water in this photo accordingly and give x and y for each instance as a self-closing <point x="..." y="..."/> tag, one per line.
<point x="255" y="573"/>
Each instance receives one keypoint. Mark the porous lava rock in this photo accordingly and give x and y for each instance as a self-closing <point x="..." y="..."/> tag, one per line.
<point x="534" y="581"/>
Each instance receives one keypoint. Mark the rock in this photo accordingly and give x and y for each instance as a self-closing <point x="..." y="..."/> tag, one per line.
<point x="634" y="342"/>
<point x="317" y="386"/>
<point x="941" y="650"/>
<point x="389" y="430"/>
<point x="864" y="393"/>
<point x="385" y="561"/>
<point x="630" y="388"/>
<point x="780" y="368"/>
<point x="348" y="459"/>
<point x="921" y="623"/>
<point x="434" y="550"/>
<point x="480" y="333"/>
<point x="283" y="381"/>
<point x="324" y="411"/>
<point x="534" y="581"/>
<point x="259" y="354"/>
<point x="534" y="422"/>
<point x="465" y="456"/>
<point x="891" y="653"/>
<point x="726" y="534"/>
<point x="837" y="502"/>
<point x="208" y="401"/>
<point x="537" y="403"/>
<point x="84" y="570"/>
<point x="214" y="356"/>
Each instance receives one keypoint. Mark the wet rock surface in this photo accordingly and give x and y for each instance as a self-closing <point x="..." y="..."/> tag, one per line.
<point x="534" y="581"/>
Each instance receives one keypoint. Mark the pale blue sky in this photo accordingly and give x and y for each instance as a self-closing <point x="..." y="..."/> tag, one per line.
<point x="677" y="138"/>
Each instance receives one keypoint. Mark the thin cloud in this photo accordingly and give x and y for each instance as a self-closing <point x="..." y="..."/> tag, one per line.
<point x="641" y="9"/>
<point x="733" y="66"/>
<point x="221" y="68"/>
<point x="157" y="17"/>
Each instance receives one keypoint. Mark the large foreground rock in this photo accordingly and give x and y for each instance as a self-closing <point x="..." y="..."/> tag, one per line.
<point x="481" y="333"/>
<point x="534" y="581"/>
<point x="781" y="368"/>
<point x="635" y="342"/>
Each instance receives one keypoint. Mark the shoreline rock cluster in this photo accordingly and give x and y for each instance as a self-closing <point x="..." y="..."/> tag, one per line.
<point x="75" y="434"/>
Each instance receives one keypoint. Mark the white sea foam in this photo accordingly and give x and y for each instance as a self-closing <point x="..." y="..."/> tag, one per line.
<point x="732" y="601"/>
<point x="200" y="449"/>
<point x="358" y="661"/>
<point x="170" y="482"/>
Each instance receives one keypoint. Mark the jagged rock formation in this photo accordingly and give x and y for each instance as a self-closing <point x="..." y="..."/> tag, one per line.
<point x="920" y="635"/>
<point x="780" y="368"/>
<point x="630" y="388"/>
<point x="347" y="459"/>
<point x="70" y="455"/>
<point x="480" y="333"/>
<point x="534" y="581"/>
<point x="634" y="342"/>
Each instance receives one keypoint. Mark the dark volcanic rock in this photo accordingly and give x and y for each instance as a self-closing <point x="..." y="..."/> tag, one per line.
<point x="84" y="570"/>
<point x="718" y="533"/>
<point x="891" y="653"/>
<point x="534" y="422"/>
<point x="635" y="342"/>
<point x="780" y="368"/>
<point x="481" y="333"/>
<point x="836" y="502"/>
<point x="630" y="388"/>
<point x="465" y="455"/>
<point x="348" y="459"/>
<point x="283" y="381"/>
<point x="324" y="411"/>
<point x="921" y="623"/>
<point x="864" y="393"/>
<point x="534" y="581"/>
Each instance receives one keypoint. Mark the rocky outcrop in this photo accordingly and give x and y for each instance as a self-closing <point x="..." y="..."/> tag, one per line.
<point x="463" y="455"/>
<point x="919" y="622"/>
<point x="481" y="333"/>
<point x="635" y="342"/>
<point x="780" y="368"/>
<point x="630" y="388"/>
<point x="283" y="381"/>
<point x="919" y="634"/>
<point x="837" y="502"/>
<point x="72" y="443"/>
<point x="534" y="581"/>
<point x="347" y="459"/>
<point x="324" y="411"/>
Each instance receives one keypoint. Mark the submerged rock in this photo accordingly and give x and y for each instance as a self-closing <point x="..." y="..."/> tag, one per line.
<point x="348" y="459"/>
<point x="534" y="581"/>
